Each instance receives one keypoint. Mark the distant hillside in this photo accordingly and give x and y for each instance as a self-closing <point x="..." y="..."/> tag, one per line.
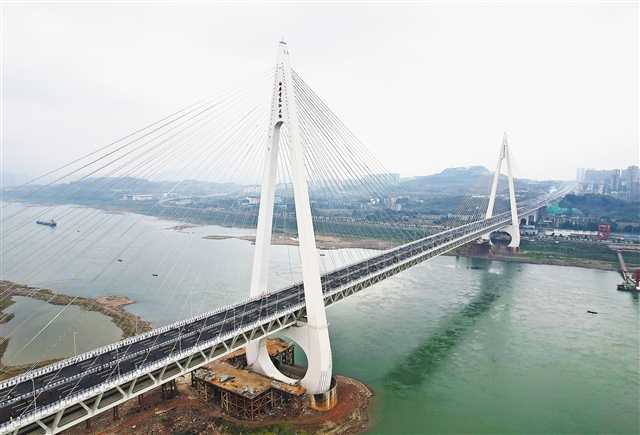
<point x="467" y="180"/>
<point x="452" y="182"/>
<point x="471" y="179"/>
<point x="114" y="188"/>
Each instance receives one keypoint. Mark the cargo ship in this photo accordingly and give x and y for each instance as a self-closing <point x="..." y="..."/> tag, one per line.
<point x="50" y="223"/>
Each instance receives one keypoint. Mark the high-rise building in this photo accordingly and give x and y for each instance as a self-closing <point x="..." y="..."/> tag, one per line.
<point x="623" y="184"/>
<point x="630" y="179"/>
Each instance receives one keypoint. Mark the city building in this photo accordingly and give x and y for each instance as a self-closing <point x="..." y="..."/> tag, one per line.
<point x="620" y="183"/>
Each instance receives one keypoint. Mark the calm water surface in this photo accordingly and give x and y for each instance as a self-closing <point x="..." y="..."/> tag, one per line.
<point x="450" y="346"/>
<point x="90" y="329"/>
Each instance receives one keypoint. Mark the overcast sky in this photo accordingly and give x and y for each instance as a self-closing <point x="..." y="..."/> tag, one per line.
<point x="425" y="86"/>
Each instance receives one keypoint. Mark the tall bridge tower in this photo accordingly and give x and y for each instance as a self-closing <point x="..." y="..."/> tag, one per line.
<point x="313" y="337"/>
<point x="514" y="228"/>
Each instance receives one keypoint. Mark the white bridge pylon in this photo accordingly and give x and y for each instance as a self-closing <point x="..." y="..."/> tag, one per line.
<point x="514" y="228"/>
<point x="313" y="337"/>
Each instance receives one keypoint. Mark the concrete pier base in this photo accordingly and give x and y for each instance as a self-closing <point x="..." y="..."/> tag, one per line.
<point x="327" y="400"/>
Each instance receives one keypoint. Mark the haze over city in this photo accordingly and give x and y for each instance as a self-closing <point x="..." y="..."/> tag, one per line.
<point x="424" y="86"/>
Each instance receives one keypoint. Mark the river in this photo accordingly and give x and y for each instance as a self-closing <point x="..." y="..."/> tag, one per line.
<point x="454" y="345"/>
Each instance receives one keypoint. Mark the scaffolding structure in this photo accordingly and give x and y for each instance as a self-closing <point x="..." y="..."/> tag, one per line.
<point x="169" y="390"/>
<point x="246" y="395"/>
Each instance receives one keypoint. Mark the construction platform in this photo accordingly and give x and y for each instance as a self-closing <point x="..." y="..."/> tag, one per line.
<point x="631" y="279"/>
<point x="245" y="394"/>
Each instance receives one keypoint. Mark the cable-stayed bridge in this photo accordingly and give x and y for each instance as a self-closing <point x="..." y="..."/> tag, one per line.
<point x="302" y="139"/>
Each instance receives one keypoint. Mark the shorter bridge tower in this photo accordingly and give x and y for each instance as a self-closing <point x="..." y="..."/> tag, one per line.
<point x="313" y="336"/>
<point x="514" y="229"/>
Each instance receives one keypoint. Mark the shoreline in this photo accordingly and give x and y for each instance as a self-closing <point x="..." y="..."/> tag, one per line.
<point x="577" y="262"/>
<point x="333" y="242"/>
<point x="111" y="306"/>
<point x="323" y="242"/>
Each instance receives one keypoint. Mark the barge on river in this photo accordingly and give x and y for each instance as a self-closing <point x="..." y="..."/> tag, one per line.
<point x="50" y="223"/>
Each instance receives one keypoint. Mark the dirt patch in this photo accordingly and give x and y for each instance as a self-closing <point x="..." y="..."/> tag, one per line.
<point x="350" y="415"/>
<point x="214" y="237"/>
<point x="322" y="241"/>
<point x="114" y="302"/>
<point x="181" y="227"/>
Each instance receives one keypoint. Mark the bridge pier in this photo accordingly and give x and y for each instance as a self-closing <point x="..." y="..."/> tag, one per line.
<point x="327" y="400"/>
<point x="514" y="244"/>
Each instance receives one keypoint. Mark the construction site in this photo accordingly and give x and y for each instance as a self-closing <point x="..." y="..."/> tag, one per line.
<point x="247" y="395"/>
<point x="630" y="278"/>
<point x="226" y="397"/>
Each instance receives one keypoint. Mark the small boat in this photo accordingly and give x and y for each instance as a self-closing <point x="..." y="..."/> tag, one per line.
<point x="50" y="223"/>
<point x="154" y="274"/>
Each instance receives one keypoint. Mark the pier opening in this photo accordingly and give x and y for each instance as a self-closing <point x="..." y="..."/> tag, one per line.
<point x="500" y="238"/>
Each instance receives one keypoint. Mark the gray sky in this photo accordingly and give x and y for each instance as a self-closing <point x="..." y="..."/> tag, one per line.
<point x="425" y="86"/>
